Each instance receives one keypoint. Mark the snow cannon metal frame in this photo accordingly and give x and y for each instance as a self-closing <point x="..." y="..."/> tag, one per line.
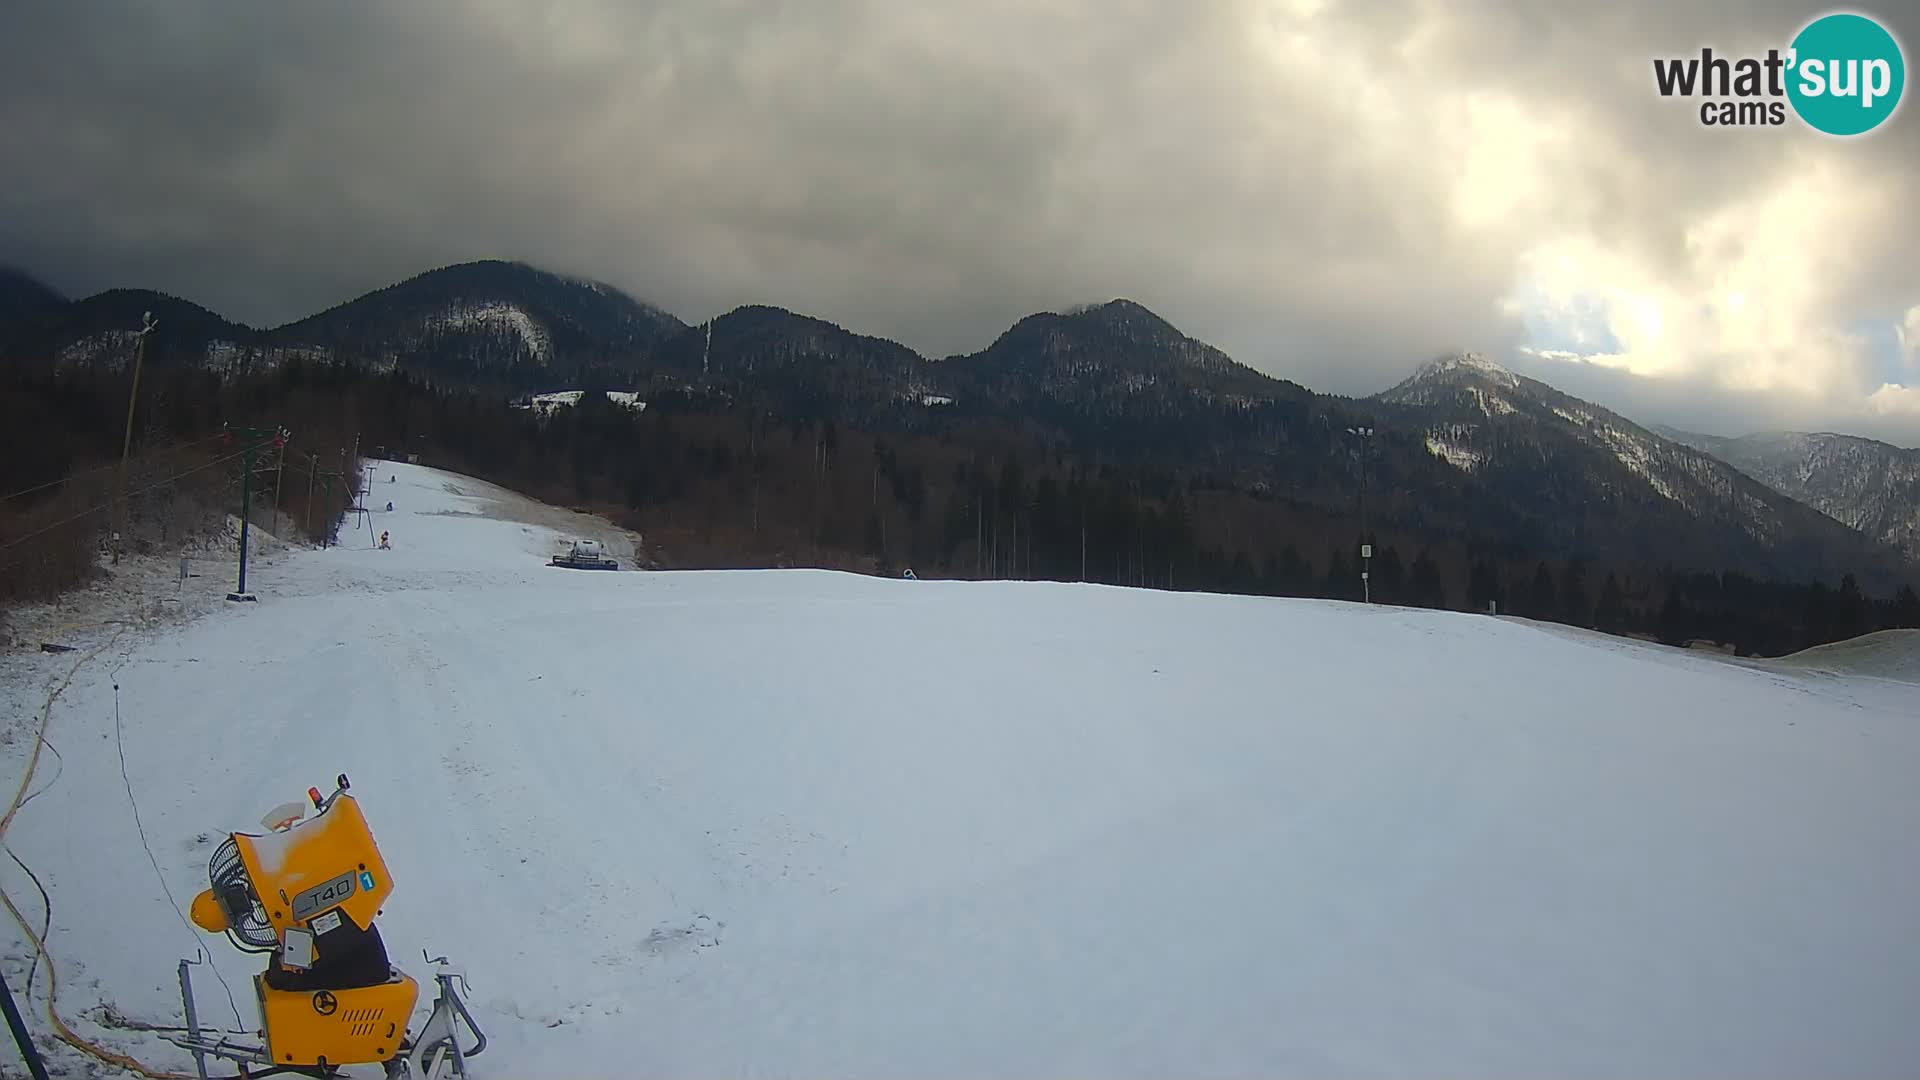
<point x="586" y="555"/>
<point x="306" y="892"/>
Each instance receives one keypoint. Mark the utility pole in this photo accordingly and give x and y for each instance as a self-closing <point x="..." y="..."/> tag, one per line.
<point x="979" y="566"/>
<point x="1083" y="531"/>
<point x="313" y="468"/>
<point x="147" y="323"/>
<point x="278" y="469"/>
<point x="253" y="441"/>
<point x="326" y="489"/>
<point x="1365" y="435"/>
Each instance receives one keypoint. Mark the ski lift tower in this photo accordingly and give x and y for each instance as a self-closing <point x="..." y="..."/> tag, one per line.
<point x="253" y="441"/>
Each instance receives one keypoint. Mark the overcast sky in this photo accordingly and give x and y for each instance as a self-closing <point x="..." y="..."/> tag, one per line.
<point x="1329" y="190"/>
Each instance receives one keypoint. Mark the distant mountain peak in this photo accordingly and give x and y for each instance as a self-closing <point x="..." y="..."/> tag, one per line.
<point x="1466" y="363"/>
<point x="1118" y="306"/>
<point x="511" y="281"/>
<point x="1128" y="317"/>
<point x="1454" y="374"/>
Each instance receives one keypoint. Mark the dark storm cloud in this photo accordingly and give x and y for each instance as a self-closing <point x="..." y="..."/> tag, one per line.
<point x="1331" y="192"/>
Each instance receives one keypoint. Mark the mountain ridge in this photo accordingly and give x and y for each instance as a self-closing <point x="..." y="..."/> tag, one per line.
<point x="1866" y="484"/>
<point x="1500" y="427"/>
<point x="1466" y="449"/>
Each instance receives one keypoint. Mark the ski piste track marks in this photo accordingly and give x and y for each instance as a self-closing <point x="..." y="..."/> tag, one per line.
<point x="1121" y="834"/>
<point x="524" y="776"/>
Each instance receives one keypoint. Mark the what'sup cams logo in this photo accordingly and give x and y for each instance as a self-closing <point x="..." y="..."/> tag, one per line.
<point x="1842" y="74"/>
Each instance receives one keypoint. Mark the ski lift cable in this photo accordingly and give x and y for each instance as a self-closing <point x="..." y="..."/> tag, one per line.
<point x="101" y="468"/>
<point x="109" y="504"/>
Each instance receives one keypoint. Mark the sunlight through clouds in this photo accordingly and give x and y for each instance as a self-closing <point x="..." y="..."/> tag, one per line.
<point x="1760" y="302"/>
<point x="1329" y="190"/>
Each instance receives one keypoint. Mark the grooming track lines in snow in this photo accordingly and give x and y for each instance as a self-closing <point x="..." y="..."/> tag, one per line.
<point x="725" y="824"/>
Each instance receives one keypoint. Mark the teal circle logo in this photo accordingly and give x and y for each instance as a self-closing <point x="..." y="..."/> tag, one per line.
<point x="1846" y="74"/>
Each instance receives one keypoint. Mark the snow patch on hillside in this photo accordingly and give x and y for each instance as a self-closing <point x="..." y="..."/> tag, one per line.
<point x="545" y="404"/>
<point x="110" y="350"/>
<point x="496" y="316"/>
<point x="1492" y="404"/>
<point x="1453" y="454"/>
<point x="919" y="393"/>
<point x="1633" y="453"/>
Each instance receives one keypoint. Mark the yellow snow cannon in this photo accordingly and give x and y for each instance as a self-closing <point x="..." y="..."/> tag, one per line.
<point x="305" y="893"/>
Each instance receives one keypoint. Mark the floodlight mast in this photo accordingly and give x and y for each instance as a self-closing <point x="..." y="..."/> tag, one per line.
<point x="1365" y="435"/>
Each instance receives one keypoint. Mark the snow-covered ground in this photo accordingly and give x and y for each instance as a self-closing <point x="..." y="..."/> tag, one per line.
<point x="545" y="404"/>
<point x="807" y="824"/>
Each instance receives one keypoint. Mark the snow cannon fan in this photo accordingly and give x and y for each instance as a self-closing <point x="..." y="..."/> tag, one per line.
<point x="306" y="893"/>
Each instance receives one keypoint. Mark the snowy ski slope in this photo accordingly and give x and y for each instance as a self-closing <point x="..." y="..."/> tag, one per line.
<point x="808" y="824"/>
